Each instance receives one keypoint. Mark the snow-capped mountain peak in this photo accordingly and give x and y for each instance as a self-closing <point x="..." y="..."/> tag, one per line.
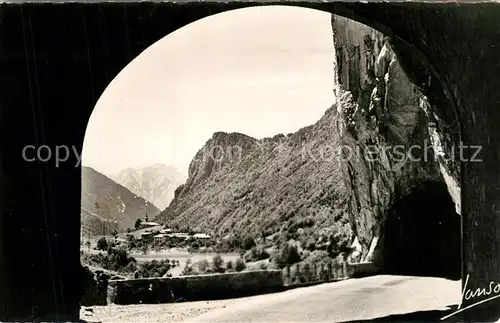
<point x="155" y="183"/>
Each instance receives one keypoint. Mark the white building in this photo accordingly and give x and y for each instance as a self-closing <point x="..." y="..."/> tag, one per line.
<point x="160" y="237"/>
<point x="149" y="225"/>
<point x="201" y="236"/>
<point x="121" y="240"/>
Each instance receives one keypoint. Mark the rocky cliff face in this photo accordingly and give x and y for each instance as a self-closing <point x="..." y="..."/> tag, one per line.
<point x="395" y="143"/>
<point x="289" y="184"/>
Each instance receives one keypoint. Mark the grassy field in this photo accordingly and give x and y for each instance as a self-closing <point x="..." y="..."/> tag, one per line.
<point x="178" y="254"/>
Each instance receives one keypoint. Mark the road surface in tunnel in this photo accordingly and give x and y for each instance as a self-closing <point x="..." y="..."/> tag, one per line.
<point x="350" y="300"/>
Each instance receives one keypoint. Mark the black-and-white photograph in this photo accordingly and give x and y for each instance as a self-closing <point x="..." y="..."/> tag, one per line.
<point x="231" y="162"/>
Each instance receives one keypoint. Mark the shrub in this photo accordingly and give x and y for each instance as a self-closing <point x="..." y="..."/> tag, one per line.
<point x="218" y="264"/>
<point x="131" y="242"/>
<point x="240" y="265"/>
<point x="137" y="223"/>
<point x="229" y="265"/>
<point x="102" y="244"/>
<point x="307" y="272"/>
<point x="256" y="254"/>
<point x="291" y="231"/>
<point x="286" y="255"/>
<point x="194" y="246"/>
<point x="231" y="244"/>
<point x="311" y="245"/>
<point x="204" y="266"/>
<point x="131" y="267"/>
<point x="157" y="247"/>
<point x="154" y="268"/>
<point x="188" y="268"/>
<point x="118" y="259"/>
<point x="306" y="223"/>
<point x="335" y="247"/>
<point x="248" y="243"/>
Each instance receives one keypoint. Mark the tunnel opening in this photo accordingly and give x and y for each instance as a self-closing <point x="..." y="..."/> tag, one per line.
<point x="423" y="234"/>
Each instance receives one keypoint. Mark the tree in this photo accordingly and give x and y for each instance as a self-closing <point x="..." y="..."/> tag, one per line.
<point x="195" y="246"/>
<point x="311" y="244"/>
<point x="256" y="254"/>
<point x="188" y="268"/>
<point x="229" y="265"/>
<point x="131" y="242"/>
<point x="137" y="224"/>
<point x="102" y="244"/>
<point x="218" y="264"/>
<point x="287" y="255"/>
<point x="204" y="266"/>
<point x="240" y="265"/>
<point x="335" y="248"/>
<point x="118" y="258"/>
<point x="248" y="243"/>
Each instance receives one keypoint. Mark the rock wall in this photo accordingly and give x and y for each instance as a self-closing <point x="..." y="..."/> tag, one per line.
<point x="394" y="140"/>
<point x="194" y="288"/>
<point x="94" y="287"/>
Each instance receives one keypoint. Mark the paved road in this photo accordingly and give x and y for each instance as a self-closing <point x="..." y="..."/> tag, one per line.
<point x="356" y="299"/>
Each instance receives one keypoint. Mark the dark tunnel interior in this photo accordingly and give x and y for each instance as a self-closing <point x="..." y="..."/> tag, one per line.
<point x="422" y="235"/>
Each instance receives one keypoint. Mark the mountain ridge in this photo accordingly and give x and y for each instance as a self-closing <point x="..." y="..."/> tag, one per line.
<point x="264" y="186"/>
<point x="107" y="205"/>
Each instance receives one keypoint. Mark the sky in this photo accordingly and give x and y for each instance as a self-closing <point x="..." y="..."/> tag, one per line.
<point x="258" y="71"/>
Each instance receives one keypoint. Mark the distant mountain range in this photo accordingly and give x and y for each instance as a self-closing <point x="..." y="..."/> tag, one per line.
<point x="107" y="205"/>
<point x="155" y="183"/>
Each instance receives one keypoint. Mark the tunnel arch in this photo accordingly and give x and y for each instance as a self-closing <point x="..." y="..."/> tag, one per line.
<point x="414" y="62"/>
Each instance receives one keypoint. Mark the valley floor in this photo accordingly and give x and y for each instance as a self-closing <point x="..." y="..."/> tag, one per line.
<point x="349" y="300"/>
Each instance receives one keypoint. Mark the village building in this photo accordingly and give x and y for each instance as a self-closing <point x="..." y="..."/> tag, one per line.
<point x="145" y="225"/>
<point x="162" y="237"/>
<point x="120" y="240"/>
<point x="201" y="236"/>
